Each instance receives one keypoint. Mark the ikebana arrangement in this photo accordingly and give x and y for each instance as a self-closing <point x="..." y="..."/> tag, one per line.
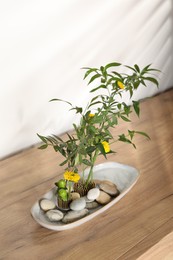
<point x="92" y="137"/>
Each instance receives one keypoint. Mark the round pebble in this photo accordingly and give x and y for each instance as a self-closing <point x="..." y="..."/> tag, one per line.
<point x="92" y="205"/>
<point x="78" y="204"/>
<point x="103" y="198"/>
<point x="110" y="189"/>
<point x="86" y="199"/>
<point x="75" y="195"/>
<point x="93" y="193"/>
<point x="109" y="182"/>
<point x="72" y="216"/>
<point x="46" y="204"/>
<point x="54" y="215"/>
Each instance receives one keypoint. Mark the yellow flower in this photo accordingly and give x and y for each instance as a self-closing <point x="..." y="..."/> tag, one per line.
<point x="71" y="176"/>
<point x="91" y="115"/>
<point x="106" y="146"/>
<point x="120" y="84"/>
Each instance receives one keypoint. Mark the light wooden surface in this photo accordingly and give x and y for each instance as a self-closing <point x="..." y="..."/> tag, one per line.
<point x="125" y="231"/>
<point x="160" y="251"/>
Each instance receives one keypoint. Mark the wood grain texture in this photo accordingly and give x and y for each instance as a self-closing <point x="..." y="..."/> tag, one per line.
<point x="125" y="231"/>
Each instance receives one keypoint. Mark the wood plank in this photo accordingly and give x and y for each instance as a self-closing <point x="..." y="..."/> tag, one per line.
<point x="163" y="250"/>
<point x="126" y="230"/>
<point x="148" y="242"/>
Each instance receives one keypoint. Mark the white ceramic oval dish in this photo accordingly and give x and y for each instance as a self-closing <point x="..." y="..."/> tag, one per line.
<point x="124" y="176"/>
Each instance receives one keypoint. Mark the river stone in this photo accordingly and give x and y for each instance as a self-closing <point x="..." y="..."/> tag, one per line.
<point x="72" y="216"/>
<point x="78" y="204"/>
<point x="75" y="195"/>
<point x="92" y="205"/>
<point x="109" y="188"/>
<point x="54" y="215"/>
<point x="93" y="193"/>
<point x="103" y="198"/>
<point x="87" y="200"/>
<point x="46" y="204"/>
<point x="108" y="182"/>
<point x="97" y="182"/>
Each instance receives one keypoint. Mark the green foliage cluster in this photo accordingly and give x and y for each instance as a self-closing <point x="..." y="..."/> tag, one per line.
<point x="94" y="130"/>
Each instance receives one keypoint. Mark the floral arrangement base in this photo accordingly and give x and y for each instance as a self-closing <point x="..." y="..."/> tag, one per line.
<point x="64" y="205"/>
<point x="82" y="188"/>
<point x="123" y="176"/>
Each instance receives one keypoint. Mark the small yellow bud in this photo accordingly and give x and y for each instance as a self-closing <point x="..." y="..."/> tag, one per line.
<point x="91" y="115"/>
<point x="106" y="146"/>
<point x="120" y="84"/>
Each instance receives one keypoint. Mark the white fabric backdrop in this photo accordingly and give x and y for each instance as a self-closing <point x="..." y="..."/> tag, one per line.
<point x="45" y="43"/>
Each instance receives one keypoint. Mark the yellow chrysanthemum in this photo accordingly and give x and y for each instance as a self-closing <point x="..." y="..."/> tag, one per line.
<point x="106" y="146"/>
<point x="91" y="115"/>
<point x="71" y="176"/>
<point x="120" y="84"/>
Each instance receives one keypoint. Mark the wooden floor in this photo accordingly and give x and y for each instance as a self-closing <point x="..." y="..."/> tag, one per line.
<point x="127" y="230"/>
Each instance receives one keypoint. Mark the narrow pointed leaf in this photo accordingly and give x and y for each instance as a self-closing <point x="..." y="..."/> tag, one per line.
<point x="136" y="107"/>
<point x="143" y="133"/>
<point x="61" y="100"/>
<point x="113" y="64"/>
<point x="94" y="77"/>
<point x="44" y="146"/>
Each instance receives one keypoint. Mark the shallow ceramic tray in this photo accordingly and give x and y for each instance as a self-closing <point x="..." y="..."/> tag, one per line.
<point x="123" y="176"/>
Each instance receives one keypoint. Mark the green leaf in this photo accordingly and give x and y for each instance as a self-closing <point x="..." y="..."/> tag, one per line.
<point x="113" y="64"/>
<point x="125" y="118"/>
<point x="131" y="133"/>
<point x="94" y="98"/>
<point x="101" y="149"/>
<point x="108" y="133"/>
<point x="119" y="106"/>
<point x="136" y="84"/>
<point x="126" y="109"/>
<point x="43" y="138"/>
<point x="90" y="149"/>
<point x="122" y="138"/>
<point x="153" y="80"/>
<point x="103" y="71"/>
<point x="44" y="146"/>
<point x="136" y="107"/>
<point x="130" y="68"/>
<point x="89" y="70"/>
<point x="137" y="68"/>
<point x="78" y="109"/>
<point x="86" y="162"/>
<point x="97" y="119"/>
<point x="92" y="129"/>
<point x="145" y="69"/>
<point x="94" y="89"/>
<point x="143" y="133"/>
<point x="116" y="73"/>
<point x="63" y="163"/>
<point x="61" y="100"/>
<point x="97" y="102"/>
<point x="94" y="77"/>
<point x="58" y="138"/>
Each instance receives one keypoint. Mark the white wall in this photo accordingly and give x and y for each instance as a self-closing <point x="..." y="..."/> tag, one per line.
<point x="44" y="44"/>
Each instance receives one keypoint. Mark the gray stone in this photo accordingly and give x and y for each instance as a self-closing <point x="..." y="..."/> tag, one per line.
<point x="72" y="216"/>
<point x="78" y="204"/>
<point x="111" y="189"/>
<point x="103" y="198"/>
<point x="46" y="204"/>
<point x="93" y="193"/>
<point x="92" y="205"/>
<point x="54" y="215"/>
